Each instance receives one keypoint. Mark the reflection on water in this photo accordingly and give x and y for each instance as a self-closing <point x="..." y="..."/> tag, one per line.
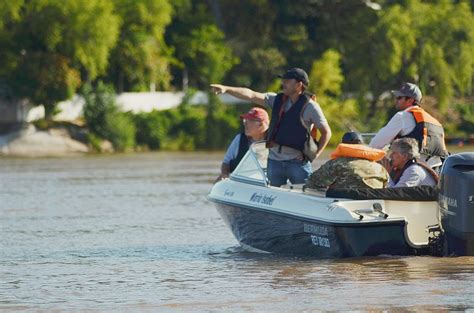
<point x="136" y="232"/>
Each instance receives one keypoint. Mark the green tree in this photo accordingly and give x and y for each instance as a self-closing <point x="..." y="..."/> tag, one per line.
<point x="141" y="57"/>
<point x="152" y="129"/>
<point x="264" y="64"/>
<point x="428" y="43"/>
<point x="10" y="15"/>
<point x="212" y="59"/>
<point x="9" y="11"/>
<point x="104" y="119"/>
<point x="55" y="79"/>
<point x="252" y="40"/>
<point x="326" y="79"/>
<point x="210" y="55"/>
<point x="61" y="42"/>
<point x="189" y="15"/>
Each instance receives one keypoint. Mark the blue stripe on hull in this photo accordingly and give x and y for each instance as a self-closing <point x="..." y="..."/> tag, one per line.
<point x="293" y="235"/>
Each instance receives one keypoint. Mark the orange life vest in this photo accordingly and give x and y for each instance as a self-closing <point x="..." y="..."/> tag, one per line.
<point x="428" y="132"/>
<point x="357" y="151"/>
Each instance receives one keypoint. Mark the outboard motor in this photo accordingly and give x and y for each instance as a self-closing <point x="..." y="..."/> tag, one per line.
<point x="456" y="204"/>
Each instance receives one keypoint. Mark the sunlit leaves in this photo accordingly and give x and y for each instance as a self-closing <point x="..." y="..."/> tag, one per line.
<point x="9" y="11"/>
<point x="326" y="81"/>
<point x="52" y="43"/>
<point x="428" y="43"/>
<point x="212" y="56"/>
<point x="45" y="78"/>
<point x="326" y="76"/>
<point x="141" y="56"/>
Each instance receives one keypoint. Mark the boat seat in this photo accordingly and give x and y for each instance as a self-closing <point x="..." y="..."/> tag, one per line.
<point x="419" y="193"/>
<point x="292" y="186"/>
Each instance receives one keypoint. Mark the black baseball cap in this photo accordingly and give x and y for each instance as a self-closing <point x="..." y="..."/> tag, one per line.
<point x="296" y="73"/>
<point x="352" y="138"/>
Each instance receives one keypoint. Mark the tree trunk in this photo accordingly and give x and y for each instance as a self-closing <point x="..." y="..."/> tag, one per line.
<point x="216" y="11"/>
<point x="49" y="111"/>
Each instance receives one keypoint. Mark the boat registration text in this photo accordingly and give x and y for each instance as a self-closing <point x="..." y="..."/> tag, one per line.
<point x="318" y="235"/>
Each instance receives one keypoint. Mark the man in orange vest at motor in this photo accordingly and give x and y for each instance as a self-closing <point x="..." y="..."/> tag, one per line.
<point x="413" y="122"/>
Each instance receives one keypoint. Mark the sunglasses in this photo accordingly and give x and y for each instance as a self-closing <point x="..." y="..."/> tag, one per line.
<point x="403" y="97"/>
<point x="246" y="120"/>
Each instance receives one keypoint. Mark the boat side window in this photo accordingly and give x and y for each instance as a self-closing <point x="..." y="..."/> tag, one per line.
<point x="253" y="165"/>
<point x="261" y="154"/>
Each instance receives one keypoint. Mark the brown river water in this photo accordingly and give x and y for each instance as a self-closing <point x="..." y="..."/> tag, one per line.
<point x="136" y="233"/>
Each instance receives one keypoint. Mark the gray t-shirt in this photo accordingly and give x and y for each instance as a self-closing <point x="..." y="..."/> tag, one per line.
<point x="312" y="114"/>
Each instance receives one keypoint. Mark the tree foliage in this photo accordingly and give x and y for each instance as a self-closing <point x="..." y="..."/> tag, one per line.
<point x="54" y="79"/>
<point x="428" y="43"/>
<point x="104" y="119"/>
<point x="141" y="57"/>
<point x="356" y="51"/>
<point x="211" y="59"/>
<point x="51" y="45"/>
<point x="326" y="79"/>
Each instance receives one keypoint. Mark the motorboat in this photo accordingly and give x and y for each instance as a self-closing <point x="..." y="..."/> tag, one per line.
<point x="293" y="220"/>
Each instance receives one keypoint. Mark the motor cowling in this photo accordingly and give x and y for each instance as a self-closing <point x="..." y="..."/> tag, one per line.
<point x="456" y="203"/>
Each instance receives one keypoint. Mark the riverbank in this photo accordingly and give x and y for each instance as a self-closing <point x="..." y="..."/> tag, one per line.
<point x="68" y="139"/>
<point x="28" y="141"/>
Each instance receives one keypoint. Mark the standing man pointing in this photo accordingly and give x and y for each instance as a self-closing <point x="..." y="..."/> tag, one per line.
<point x="287" y="135"/>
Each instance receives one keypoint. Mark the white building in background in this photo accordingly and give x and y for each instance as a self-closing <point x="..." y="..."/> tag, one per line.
<point x="135" y="102"/>
<point x="14" y="111"/>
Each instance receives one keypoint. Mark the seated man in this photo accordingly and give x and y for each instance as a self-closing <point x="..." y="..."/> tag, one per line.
<point x="352" y="165"/>
<point x="405" y="168"/>
<point x="256" y="123"/>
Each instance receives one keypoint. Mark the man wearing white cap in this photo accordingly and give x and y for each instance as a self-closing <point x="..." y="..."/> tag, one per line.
<point x="414" y="122"/>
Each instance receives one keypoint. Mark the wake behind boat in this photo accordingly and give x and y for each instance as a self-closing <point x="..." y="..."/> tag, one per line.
<point x="290" y="220"/>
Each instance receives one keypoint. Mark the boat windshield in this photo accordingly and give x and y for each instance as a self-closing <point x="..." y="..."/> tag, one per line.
<point x="253" y="166"/>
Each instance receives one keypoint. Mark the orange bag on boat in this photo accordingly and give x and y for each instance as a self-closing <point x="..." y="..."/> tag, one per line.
<point x="357" y="151"/>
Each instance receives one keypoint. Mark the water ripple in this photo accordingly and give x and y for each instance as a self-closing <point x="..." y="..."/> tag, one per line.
<point x="135" y="232"/>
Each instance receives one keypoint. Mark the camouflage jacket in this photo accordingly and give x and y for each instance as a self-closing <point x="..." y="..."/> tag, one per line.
<point x="349" y="173"/>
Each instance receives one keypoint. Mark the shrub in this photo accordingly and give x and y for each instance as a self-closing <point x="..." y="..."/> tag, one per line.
<point x="227" y="125"/>
<point x="184" y="128"/>
<point x="99" y="103"/>
<point x="103" y="118"/>
<point x="151" y="129"/>
<point x="94" y="142"/>
<point x="189" y="128"/>
<point x="121" y="131"/>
